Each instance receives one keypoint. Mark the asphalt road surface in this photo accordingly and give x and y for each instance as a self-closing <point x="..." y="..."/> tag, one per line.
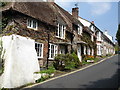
<point x="102" y="75"/>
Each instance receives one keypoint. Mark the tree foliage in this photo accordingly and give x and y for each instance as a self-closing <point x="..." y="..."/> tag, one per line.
<point x="118" y="35"/>
<point x="2" y="4"/>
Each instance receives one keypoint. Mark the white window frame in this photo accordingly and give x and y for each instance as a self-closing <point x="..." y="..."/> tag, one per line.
<point x="55" y="51"/>
<point x="30" y="23"/>
<point x="60" y="32"/>
<point x="38" y="51"/>
<point x="88" y="50"/>
<point x="80" y="29"/>
<point x="92" y="28"/>
<point x="92" y="38"/>
<point x="85" y="50"/>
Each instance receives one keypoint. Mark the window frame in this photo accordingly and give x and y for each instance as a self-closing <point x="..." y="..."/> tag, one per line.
<point x="30" y="24"/>
<point x="80" y="28"/>
<point x="60" y="32"/>
<point x="38" y="55"/>
<point x="55" y="51"/>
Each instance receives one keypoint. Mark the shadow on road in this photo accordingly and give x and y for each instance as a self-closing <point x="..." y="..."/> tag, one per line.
<point x="108" y="82"/>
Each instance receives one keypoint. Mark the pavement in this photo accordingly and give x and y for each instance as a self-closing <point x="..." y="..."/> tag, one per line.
<point x="100" y="75"/>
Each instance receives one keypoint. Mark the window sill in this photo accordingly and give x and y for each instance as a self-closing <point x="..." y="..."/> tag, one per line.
<point x="60" y="38"/>
<point x="40" y="57"/>
<point x="51" y="58"/>
<point x="32" y="28"/>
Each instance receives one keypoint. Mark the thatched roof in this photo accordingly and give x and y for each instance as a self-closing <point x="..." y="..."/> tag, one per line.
<point x="38" y="10"/>
<point x="44" y="11"/>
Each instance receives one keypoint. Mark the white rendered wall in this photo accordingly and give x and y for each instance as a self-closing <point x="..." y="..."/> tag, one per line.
<point x="20" y="62"/>
<point x="110" y="37"/>
<point x="84" y="22"/>
<point x="79" y="52"/>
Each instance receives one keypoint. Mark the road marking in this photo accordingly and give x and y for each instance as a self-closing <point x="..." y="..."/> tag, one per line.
<point x="70" y="72"/>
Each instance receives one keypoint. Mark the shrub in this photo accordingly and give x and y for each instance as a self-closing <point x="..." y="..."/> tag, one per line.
<point x="2" y="4"/>
<point x="2" y="52"/>
<point x="49" y="71"/>
<point x="76" y="60"/>
<point x="41" y="79"/>
<point x="59" y="62"/>
<point x="68" y="61"/>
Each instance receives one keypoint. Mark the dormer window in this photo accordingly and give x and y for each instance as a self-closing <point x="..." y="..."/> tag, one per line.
<point x="32" y="24"/>
<point x="92" y="28"/>
<point x="80" y="29"/>
<point x="60" y="32"/>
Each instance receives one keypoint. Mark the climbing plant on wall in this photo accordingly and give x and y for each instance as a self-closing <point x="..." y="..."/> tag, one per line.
<point x="2" y="4"/>
<point x="1" y="57"/>
<point x="87" y="38"/>
<point x="3" y="24"/>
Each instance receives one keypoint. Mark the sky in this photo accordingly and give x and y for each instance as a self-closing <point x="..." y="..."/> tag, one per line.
<point x="104" y="14"/>
<point x="119" y="12"/>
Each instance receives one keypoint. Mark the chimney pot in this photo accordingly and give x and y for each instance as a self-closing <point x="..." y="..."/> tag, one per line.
<point x="92" y="22"/>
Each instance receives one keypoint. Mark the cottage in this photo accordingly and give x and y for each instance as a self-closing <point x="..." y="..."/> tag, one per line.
<point x="35" y="32"/>
<point x="46" y="28"/>
<point x="89" y="36"/>
<point x="104" y="44"/>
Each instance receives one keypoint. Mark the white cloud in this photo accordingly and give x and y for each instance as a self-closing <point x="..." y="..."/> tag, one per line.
<point x="99" y="8"/>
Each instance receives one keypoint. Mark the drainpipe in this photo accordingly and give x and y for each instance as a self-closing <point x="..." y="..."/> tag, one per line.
<point x="48" y="51"/>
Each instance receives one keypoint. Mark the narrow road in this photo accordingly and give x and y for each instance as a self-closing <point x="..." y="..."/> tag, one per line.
<point x="102" y="75"/>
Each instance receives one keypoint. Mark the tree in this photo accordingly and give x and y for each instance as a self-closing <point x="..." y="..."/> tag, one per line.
<point x="118" y="35"/>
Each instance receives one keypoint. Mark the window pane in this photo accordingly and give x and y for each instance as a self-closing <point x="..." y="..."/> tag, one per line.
<point x="57" y="31"/>
<point x="39" y="49"/>
<point x="63" y="32"/>
<point x="52" y="51"/>
<point x="60" y="28"/>
<point x="34" y="24"/>
<point x="29" y="23"/>
<point x="78" y="30"/>
<point x="55" y="50"/>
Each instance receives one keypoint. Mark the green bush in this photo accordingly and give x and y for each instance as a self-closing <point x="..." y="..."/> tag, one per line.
<point x="1" y="57"/>
<point x="76" y="61"/>
<point x="41" y="79"/>
<point x="66" y="61"/>
<point x="2" y="4"/>
<point x="49" y="70"/>
<point x="59" y="62"/>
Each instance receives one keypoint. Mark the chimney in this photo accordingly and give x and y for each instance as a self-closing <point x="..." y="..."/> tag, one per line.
<point x="92" y="22"/>
<point x="75" y="12"/>
<point x="106" y="32"/>
<point x="51" y="1"/>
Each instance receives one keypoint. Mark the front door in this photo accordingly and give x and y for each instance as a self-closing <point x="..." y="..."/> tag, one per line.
<point x="79" y="52"/>
<point x="62" y="50"/>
